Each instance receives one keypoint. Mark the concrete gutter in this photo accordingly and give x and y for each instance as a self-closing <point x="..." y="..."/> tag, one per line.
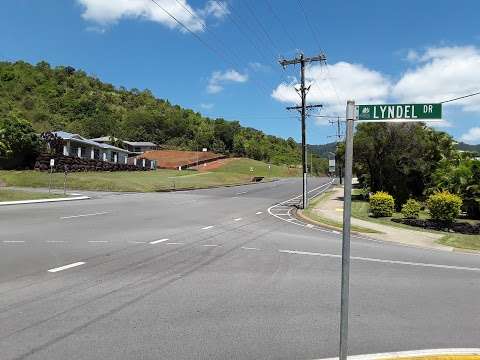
<point x="40" y="201"/>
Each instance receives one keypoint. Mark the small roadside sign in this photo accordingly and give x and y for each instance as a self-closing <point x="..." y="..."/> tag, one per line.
<point x="204" y="149"/>
<point x="404" y="112"/>
<point x="52" y="162"/>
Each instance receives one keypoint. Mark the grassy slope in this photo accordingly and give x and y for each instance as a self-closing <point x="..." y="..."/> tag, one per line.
<point x="16" y="195"/>
<point x="235" y="172"/>
<point x="360" y="210"/>
<point x="242" y="166"/>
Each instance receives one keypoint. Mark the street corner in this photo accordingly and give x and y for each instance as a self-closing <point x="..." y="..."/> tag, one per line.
<point x="432" y="354"/>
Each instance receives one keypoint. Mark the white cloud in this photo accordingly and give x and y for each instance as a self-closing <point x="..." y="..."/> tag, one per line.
<point x="441" y="74"/>
<point x="472" y="136"/>
<point x="219" y="78"/>
<point x="331" y="88"/>
<point x="217" y="9"/>
<point x="107" y="12"/>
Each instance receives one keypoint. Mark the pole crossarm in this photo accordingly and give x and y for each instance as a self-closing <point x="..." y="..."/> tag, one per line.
<point x="299" y="59"/>
<point x="299" y="107"/>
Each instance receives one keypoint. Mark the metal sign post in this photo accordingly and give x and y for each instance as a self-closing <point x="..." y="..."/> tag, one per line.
<point x="52" y="164"/>
<point x="368" y="113"/>
<point x="347" y="208"/>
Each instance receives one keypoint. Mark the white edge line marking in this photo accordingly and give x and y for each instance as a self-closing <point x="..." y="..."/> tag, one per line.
<point x="13" y="241"/>
<point x="269" y="210"/>
<point x="65" y="267"/>
<point x="385" y="261"/>
<point x="414" y="353"/>
<point x="207" y="227"/>
<point x="38" y="201"/>
<point x="158" y="241"/>
<point x="84" y="215"/>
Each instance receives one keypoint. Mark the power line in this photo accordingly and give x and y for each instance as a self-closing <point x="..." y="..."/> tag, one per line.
<point x="289" y="36"/>
<point x="461" y="97"/>
<point x="314" y="34"/>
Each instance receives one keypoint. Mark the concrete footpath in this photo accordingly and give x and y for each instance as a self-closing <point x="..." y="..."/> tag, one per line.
<point x="332" y="208"/>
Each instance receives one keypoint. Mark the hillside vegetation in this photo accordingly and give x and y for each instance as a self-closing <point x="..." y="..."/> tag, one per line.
<point x="68" y="99"/>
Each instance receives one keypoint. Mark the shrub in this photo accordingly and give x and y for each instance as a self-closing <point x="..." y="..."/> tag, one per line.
<point x="381" y="204"/>
<point x="444" y="206"/>
<point x="411" y="209"/>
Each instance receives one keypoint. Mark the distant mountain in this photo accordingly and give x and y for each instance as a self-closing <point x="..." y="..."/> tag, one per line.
<point x="323" y="150"/>
<point x="468" y="147"/>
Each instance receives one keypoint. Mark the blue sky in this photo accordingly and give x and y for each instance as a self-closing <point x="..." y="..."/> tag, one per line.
<point x="377" y="51"/>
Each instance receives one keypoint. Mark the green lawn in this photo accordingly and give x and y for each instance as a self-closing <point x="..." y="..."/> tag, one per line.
<point x="141" y="181"/>
<point x="311" y="214"/>
<point x="17" y="195"/>
<point x="472" y="242"/>
<point x="244" y="166"/>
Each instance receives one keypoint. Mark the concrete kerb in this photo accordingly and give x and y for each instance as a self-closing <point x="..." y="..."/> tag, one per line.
<point x="450" y="353"/>
<point x="41" y="201"/>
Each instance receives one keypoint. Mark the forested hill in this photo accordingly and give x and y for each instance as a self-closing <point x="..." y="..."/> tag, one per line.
<point x="323" y="150"/>
<point x="468" y="147"/>
<point x="64" y="98"/>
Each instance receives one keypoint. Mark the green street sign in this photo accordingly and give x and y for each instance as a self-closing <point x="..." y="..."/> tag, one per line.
<point x="405" y="112"/>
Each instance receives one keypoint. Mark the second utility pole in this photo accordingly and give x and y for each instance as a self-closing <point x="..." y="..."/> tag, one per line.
<point x="302" y="60"/>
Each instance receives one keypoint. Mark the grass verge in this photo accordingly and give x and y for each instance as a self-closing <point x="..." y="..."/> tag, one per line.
<point x="311" y="214"/>
<point x="18" y="195"/>
<point x="469" y="242"/>
<point x="244" y="166"/>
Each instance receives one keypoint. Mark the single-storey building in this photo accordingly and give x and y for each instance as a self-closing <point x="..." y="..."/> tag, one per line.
<point x="77" y="146"/>
<point x="135" y="147"/>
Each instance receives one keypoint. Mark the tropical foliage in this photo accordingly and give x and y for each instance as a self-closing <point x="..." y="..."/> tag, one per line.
<point x="382" y="204"/>
<point x="444" y="206"/>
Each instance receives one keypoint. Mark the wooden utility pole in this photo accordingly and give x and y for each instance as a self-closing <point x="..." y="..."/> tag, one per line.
<point x="302" y="60"/>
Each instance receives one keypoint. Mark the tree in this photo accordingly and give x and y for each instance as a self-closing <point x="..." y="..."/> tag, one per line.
<point x="399" y="158"/>
<point x="20" y="140"/>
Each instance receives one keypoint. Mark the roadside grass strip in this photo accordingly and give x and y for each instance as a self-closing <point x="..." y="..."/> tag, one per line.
<point x="433" y="354"/>
<point x="384" y="261"/>
<point x="65" y="267"/>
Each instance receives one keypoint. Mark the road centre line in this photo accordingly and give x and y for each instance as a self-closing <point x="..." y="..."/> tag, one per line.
<point x="98" y="241"/>
<point x="207" y="227"/>
<point x="13" y="241"/>
<point x="65" y="267"/>
<point x="211" y="245"/>
<point x="55" y="241"/>
<point x="250" y="248"/>
<point x="174" y="243"/>
<point x="84" y="215"/>
<point x="385" y="261"/>
<point x="158" y="241"/>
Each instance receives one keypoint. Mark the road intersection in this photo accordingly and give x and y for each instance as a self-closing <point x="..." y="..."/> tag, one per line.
<point x="211" y="274"/>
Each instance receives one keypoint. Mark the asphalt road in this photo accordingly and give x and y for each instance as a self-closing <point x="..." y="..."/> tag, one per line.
<point x="210" y="274"/>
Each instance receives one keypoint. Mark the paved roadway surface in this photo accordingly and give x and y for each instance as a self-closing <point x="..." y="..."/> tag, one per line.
<point x="231" y="282"/>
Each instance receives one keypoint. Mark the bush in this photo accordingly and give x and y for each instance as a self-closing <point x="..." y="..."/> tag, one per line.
<point x="411" y="209"/>
<point x="381" y="204"/>
<point x="444" y="206"/>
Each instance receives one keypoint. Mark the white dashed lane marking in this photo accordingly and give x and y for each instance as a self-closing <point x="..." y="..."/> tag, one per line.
<point x="250" y="248"/>
<point x="207" y="227"/>
<point x="84" y="215"/>
<point x="237" y="219"/>
<point x="259" y="212"/>
<point x="384" y="261"/>
<point x="174" y="243"/>
<point x="158" y="241"/>
<point x="98" y="241"/>
<point x="211" y="245"/>
<point x="13" y="241"/>
<point x="65" y="267"/>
